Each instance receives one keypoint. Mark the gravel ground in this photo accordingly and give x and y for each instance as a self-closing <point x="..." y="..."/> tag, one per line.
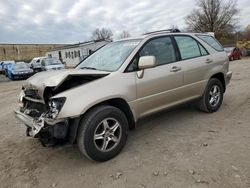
<point x="181" y="147"/>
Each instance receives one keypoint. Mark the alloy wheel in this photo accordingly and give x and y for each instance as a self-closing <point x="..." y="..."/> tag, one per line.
<point x="107" y="134"/>
<point x="214" y="95"/>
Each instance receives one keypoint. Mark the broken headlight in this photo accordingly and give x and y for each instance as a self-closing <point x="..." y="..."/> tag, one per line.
<point x="20" y="100"/>
<point x="55" y="105"/>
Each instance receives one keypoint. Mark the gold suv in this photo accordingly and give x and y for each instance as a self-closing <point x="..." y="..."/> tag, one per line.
<point x="98" y="102"/>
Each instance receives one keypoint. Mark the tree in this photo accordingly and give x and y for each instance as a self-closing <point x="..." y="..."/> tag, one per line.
<point x="215" y="16"/>
<point x="247" y="33"/>
<point x="103" y="33"/>
<point x="124" y="34"/>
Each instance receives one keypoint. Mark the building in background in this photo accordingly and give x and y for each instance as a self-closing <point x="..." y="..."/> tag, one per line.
<point x="71" y="55"/>
<point x="24" y="52"/>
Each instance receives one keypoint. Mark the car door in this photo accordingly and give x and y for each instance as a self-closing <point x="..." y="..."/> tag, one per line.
<point x="234" y="53"/>
<point x="196" y="63"/>
<point x="9" y="70"/>
<point x="238" y="53"/>
<point x="43" y="65"/>
<point x="159" y="86"/>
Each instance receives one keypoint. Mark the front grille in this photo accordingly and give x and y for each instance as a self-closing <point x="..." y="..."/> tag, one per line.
<point x="34" y="109"/>
<point x="31" y="93"/>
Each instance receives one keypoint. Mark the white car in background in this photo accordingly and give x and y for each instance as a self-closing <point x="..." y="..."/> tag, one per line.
<point x="35" y="64"/>
<point x="51" y="64"/>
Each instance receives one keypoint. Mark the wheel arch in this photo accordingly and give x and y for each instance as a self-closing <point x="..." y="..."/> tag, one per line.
<point x="115" y="102"/>
<point x="220" y="76"/>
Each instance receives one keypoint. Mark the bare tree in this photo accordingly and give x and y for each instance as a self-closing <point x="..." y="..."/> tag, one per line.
<point x="124" y="34"/>
<point x="247" y="33"/>
<point x="103" y="33"/>
<point x="216" y="16"/>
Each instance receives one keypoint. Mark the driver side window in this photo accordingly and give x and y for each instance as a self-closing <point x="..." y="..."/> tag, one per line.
<point x="162" y="48"/>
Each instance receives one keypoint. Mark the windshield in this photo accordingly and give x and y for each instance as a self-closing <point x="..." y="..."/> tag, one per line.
<point x="228" y="49"/>
<point x="110" y="57"/>
<point x="20" y="66"/>
<point x="51" y="62"/>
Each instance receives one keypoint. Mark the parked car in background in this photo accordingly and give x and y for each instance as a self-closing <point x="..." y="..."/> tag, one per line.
<point x="19" y="70"/>
<point x="233" y="53"/>
<point x="1" y="68"/>
<point x="35" y="64"/>
<point x="4" y="65"/>
<point x="96" y="103"/>
<point x="51" y="64"/>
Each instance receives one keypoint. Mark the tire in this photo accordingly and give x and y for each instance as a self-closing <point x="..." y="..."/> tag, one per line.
<point x="94" y="123"/>
<point x="205" y="104"/>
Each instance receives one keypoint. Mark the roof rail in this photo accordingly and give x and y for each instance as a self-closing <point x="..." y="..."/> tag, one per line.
<point x="164" y="30"/>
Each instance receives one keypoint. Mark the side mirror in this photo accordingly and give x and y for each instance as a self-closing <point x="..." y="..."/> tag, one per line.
<point x="146" y="62"/>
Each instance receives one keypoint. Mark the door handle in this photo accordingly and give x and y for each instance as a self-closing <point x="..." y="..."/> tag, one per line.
<point x="175" y="69"/>
<point x="208" y="61"/>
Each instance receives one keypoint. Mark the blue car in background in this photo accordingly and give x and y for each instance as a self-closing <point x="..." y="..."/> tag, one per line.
<point x="4" y="67"/>
<point x="19" y="70"/>
<point x="1" y="68"/>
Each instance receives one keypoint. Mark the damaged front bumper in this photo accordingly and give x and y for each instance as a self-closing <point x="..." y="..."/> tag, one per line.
<point x="56" y="128"/>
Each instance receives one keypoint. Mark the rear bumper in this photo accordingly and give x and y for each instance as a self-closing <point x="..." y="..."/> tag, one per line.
<point x="228" y="77"/>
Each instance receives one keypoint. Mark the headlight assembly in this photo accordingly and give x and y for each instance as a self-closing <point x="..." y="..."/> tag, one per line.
<point x="20" y="100"/>
<point x="55" y="105"/>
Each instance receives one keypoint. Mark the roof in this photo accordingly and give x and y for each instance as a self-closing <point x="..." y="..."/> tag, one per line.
<point x="161" y="32"/>
<point x="78" y="44"/>
<point x="33" y="44"/>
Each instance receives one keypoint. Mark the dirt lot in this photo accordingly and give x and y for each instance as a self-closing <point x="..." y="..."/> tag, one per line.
<point x="181" y="147"/>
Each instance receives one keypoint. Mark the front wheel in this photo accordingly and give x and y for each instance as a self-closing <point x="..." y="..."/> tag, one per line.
<point x="212" y="97"/>
<point x="102" y="133"/>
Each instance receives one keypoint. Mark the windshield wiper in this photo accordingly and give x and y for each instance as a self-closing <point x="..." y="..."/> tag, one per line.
<point x="92" y="68"/>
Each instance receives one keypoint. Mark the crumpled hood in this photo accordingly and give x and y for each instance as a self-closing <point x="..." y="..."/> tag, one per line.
<point x="55" y="78"/>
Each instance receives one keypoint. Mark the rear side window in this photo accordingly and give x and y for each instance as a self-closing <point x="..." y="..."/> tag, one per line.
<point x="211" y="41"/>
<point x="188" y="47"/>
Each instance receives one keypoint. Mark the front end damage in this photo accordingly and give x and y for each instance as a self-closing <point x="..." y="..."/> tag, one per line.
<point x="38" y="110"/>
<point x="40" y="119"/>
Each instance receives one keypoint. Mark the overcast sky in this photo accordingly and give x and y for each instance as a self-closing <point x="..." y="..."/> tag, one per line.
<point x="71" y="21"/>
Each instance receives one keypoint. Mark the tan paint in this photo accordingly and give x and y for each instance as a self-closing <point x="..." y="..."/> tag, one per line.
<point x="158" y="88"/>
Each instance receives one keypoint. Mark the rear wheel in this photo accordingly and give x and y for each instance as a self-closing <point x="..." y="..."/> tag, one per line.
<point x="213" y="96"/>
<point x="102" y="133"/>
